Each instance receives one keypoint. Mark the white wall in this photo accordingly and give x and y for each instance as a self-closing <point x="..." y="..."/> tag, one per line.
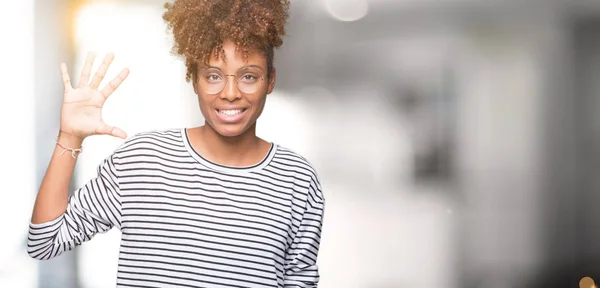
<point x="17" y="142"/>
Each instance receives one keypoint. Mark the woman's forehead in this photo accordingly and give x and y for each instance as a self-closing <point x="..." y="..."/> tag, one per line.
<point x="237" y="60"/>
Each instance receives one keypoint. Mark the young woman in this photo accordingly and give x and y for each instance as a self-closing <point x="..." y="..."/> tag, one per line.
<point x="209" y="206"/>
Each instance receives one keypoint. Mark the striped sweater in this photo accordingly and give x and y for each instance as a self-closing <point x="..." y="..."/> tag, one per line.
<point x="189" y="222"/>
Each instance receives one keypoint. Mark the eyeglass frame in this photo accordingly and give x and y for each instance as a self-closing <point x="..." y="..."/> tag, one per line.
<point x="262" y="79"/>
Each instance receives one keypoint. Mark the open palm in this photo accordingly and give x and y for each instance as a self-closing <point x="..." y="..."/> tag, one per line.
<point x="81" y="113"/>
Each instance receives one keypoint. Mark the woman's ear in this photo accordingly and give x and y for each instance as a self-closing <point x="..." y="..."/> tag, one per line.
<point x="195" y="83"/>
<point x="272" y="81"/>
<point x="195" y="78"/>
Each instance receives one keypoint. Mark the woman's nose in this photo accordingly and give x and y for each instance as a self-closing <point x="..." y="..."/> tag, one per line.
<point x="231" y="91"/>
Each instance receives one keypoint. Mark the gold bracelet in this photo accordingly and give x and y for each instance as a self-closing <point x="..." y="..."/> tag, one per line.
<point x="73" y="150"/>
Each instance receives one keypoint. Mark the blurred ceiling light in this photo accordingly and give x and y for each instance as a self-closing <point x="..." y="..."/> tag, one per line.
<point x="92" y="25"/>
<point x="347" y="10"/>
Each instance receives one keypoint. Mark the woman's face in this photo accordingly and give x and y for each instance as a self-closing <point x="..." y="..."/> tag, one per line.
<point x="232" y="93"/>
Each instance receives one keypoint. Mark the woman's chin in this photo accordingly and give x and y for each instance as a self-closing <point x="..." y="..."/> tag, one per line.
<point x="230" y="130"/>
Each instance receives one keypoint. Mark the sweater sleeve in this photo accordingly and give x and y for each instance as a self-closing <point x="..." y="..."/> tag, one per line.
<point x="301" y="268"/>
<point x="93" y="208"/>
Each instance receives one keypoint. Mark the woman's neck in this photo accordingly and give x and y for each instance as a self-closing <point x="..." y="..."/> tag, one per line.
<point x="245" y="149"/>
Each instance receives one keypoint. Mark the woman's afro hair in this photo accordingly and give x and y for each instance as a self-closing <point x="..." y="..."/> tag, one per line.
<point x="201" y="26"/>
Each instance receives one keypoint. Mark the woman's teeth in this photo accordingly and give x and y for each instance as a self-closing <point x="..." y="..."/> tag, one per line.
<point x="232" y="112"/>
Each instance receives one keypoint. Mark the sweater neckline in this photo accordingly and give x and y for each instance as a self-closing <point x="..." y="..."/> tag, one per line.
<point x="227" y="168"/>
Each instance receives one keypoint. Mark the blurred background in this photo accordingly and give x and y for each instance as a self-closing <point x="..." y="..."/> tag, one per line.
<point x="456" y="141"/>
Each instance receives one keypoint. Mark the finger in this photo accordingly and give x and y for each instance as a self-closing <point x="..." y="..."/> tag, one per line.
<point x="65" y="77"/>
<point x="114" y="84"/>
<point x="87" y="69"/>
<point x="101" y="72"/>
<point x="106" y="129"/>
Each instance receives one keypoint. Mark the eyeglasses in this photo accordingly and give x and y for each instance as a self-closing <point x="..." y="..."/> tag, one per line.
<point x="248" y="80"/>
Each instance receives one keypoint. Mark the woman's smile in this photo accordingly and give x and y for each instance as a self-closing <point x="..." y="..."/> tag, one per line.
<point x="231" y="115"/>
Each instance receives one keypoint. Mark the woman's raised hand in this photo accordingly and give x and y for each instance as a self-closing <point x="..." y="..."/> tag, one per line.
<point x="81" y="113"/>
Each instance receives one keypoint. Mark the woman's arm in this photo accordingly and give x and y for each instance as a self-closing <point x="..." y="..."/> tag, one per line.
<point x="94" y="208"/>
<point x="53" y="195"/>
<point x="301" y="268"/>
<point x="57" y="220"/>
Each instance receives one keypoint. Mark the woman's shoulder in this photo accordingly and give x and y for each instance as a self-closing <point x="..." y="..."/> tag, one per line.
<point x="295" y="161"/>
<point x="303" y="168"/>
<point x="159" y="133"/>
<point x="169" y="138"/>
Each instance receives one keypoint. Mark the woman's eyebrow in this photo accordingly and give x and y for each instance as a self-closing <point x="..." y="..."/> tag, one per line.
<point x="243" y="67"/>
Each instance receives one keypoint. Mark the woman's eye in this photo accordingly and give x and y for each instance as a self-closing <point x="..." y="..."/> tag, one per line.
<point x="213" y="77"/>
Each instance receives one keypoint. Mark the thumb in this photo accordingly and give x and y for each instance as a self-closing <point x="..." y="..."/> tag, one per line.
<point x="106" y="129"/>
